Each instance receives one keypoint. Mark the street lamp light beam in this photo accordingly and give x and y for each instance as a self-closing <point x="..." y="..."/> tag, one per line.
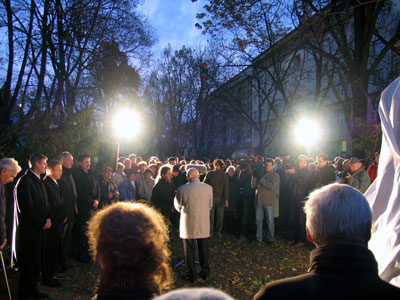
<point x="127" y="124"/>
<point x="307" y="133"/>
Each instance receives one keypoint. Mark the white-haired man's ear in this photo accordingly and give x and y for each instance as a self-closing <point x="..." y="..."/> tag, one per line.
<point x="309" y="238"/>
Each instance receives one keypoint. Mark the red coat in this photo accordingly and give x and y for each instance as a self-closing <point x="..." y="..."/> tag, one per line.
<point x="373" y="170"/>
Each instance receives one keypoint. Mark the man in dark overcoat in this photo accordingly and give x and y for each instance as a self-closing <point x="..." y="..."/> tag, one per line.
<point x="88" y="199"/>
<point x="34" y="218"/>
<point x="68" y="190"/>
<point x="53" y="236"/>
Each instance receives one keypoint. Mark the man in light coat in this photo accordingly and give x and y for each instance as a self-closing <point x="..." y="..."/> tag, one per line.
<point x="194" y="201"/>
<point x="267" y="193"/>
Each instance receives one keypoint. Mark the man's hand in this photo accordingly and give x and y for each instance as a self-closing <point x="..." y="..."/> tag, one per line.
<point x="110" y="195"/>
<point x="347" y="176"/>
<point x="95" y="204"/>
<point x="65" y="220"/>
<point x="3" y="245"/>
<point x="47" y="225"/>
<point x="226" y="203"/>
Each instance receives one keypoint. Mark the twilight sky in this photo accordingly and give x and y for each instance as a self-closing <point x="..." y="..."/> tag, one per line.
<point x="174" y="22"/>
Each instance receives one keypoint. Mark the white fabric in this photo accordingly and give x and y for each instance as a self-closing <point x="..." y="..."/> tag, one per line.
<point x="384" y="193"/>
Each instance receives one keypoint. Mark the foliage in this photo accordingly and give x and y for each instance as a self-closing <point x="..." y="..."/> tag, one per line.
<point x="77" y="133"/>
<point x="366" y="144"/>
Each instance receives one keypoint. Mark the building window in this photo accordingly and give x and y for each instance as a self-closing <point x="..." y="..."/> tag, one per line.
<point x="343" y="147"/>
<point x="247" y="135"/>
<point x="340" y="118"/>
<point x="329" y="120"/>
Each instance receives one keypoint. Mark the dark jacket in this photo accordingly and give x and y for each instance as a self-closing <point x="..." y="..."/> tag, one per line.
<point x="336" y="272"/>
<point x="244" y="181"/>
<point x="163" y="196"/>
<point x="324" y="176"/>
<point x="219" y="182"/>
<point x="68" y="190"/>
<point x="55" y="199"/>
<point x="34" y="212"/>
<point x="105" y="188"/>
<point x="233" y="192"/>
<point x="301" y="184"/>
<point x="179" y="180"/>
<point x="87" y="190"/>
<point x="32" y="201"/>
<point x="2" y="214"/>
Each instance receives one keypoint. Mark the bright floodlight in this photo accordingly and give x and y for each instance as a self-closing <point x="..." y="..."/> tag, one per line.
<point x="307" y="132"/>
<point x="126" y="124"/>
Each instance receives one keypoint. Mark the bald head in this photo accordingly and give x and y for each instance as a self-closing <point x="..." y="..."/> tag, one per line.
<point x="193" y="174"/>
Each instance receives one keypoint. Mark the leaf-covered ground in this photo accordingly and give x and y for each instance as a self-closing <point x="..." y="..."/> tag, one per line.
<point x="239" y="268"/>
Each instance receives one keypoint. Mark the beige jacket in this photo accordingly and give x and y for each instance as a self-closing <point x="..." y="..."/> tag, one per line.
<point x="267" y="188"/>
<point x="194" y="201"/>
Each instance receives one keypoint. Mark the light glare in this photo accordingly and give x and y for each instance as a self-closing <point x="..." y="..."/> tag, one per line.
<point x="127" y="124"/>
<point x="307" y="132"/>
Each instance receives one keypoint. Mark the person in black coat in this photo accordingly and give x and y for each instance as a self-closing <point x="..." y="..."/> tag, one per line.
<point x="341" y="267"/>
<point x="34" y="218"/>
<point x="231" y="214"/>
<point x="88" y="199"/>
<point x="53" y="236"/>
<point x="178" y="178"/>
<point x="324" y="174"/>
<point x="164" y="192"/>
<point x="68" y="190"/>
<point x="301" y="187"/>
<point x="245" y="203"/>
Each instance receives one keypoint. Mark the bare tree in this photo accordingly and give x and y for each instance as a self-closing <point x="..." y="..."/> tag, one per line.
<point x="52" y="47"/>
<point x="355" y="37"/>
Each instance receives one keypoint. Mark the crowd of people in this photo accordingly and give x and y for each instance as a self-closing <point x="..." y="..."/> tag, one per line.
<point x="122" y="219"/>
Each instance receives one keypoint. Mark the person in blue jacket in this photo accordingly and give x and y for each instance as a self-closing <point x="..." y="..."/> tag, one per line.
<point x="127" y="189"/>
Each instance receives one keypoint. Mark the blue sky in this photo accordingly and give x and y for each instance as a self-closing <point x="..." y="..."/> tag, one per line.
<point x="174" y="22"/>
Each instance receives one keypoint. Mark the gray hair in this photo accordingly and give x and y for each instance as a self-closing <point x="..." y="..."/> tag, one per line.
<point x="303" y="156"/>
<point x="195" y="294"/>
<point x="337" y="212"/>
<point x="65" y="154"/>
<point x="10" y="164"/>
<point x="192" y="173"/>
<point x="201" y="168"/>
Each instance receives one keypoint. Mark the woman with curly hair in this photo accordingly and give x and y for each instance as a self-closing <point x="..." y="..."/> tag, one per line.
<point x="129" y="243"/>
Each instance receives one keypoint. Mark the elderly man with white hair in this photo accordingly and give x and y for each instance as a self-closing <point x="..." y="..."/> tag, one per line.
<point x="342" y="267"/>
<point x="194" y="201"/>
<point x="9" y="168"/>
